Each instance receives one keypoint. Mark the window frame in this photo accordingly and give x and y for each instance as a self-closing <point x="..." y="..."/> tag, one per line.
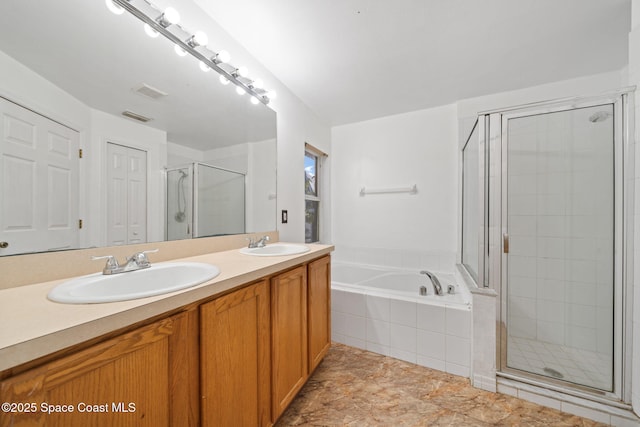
<point x="311" y="151"/>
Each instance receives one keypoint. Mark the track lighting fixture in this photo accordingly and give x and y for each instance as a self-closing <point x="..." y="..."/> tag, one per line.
<point x="194" y="43"/>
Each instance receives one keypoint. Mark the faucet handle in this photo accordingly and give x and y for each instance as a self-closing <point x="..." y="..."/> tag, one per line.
<point x="112" y="262"/>
<point x="252" y="242"/>
<point x="141" y="257"/>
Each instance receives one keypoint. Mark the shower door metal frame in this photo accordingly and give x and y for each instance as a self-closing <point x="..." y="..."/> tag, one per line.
<point x="496" y="198"/>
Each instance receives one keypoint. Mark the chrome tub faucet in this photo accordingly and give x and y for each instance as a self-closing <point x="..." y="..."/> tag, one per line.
<point x="437" y="287"/>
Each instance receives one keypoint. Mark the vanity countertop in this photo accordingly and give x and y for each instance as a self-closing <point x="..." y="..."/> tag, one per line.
<point x="33" y="326"/>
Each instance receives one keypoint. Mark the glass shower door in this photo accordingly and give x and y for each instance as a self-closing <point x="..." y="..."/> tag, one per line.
<point x="219" y="202"/>
<point x="559" y="244"/>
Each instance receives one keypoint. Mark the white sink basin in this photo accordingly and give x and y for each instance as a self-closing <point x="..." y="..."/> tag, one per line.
<point x="158" y="279"/>
<point x="276" y="249"/>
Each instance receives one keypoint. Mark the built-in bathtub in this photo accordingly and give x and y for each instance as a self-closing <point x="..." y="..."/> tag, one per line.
<point x="382" y="310"/>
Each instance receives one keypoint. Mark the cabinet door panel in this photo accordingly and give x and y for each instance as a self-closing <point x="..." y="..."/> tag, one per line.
<point x="235" y="358"/>
<point x="289" y="336"/>
<point x="124" y="381"/>
<point x="319" y="307"/>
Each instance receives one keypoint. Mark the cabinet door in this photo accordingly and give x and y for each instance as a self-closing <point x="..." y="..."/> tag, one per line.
<point x="125" y="381"/>
<point x="289" y="336"/>
<point x="319" y="309"/>
<point x="235" y="358"/>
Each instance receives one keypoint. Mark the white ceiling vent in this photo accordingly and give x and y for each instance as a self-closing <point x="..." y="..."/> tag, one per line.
<point x="135" y="116"/>
<point x="149" y="91"/>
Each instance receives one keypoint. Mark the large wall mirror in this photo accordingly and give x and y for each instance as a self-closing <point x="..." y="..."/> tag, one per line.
<point x="203" y="164"/>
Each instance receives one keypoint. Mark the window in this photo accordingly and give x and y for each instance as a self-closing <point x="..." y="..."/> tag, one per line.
<point x="311" y="195"/>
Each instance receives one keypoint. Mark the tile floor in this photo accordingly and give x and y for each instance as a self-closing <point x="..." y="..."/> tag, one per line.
<point x="574" y="365"/>
<point x="354" y="387"/>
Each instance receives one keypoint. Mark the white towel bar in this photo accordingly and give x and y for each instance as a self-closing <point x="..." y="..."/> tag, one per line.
<point x="411" y="190"/>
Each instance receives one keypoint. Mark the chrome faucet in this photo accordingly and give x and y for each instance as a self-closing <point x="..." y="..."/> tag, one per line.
<point x="260" y="243"/>
<point x="437" y="287"/>
<point x="137" y="261"/>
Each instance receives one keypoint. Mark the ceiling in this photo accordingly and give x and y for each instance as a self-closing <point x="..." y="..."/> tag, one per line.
<point x="354" y="60"/>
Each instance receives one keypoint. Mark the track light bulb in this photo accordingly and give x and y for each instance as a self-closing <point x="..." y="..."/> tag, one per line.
<point x="169" y="17"/>
<point x="180" y="51"/>
<point x="255" y="100"/>
<point x="223" y="57"/>
<point x="198" y="39"/>
<point x="150" y="31"/>
<point x="224" y="80"/>
<point x="204" y="67"/>
<point x="242" y="71"/>
<point x="116" y="9"/>
<point x="240" y="90"/>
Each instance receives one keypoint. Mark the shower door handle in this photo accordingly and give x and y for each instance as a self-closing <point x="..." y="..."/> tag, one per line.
<point x="505" y="243"/>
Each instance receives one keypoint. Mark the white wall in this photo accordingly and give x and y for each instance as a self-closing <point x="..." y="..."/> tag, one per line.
<point x="19" y="84"/>
<point x="179" y="155"/>
<point x="261" y="186"/>
<point x="414" y="231"/>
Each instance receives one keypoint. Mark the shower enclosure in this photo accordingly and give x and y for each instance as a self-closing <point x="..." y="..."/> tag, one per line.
<point x="546" y="208"/>
<point x="204" y="200"/>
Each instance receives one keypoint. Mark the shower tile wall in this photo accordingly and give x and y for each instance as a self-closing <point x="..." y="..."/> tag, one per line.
<point x="443" y="262"/>
<point x="560" y="224"/>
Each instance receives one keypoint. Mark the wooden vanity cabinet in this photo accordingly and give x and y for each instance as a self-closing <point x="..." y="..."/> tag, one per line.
<point x="288" y="337"/>
<point x="235" y="358"/>
<point x="319" y="310"/>
<point x="141" y="378"/>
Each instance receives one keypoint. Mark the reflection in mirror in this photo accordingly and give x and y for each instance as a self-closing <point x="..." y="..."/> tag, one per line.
<point x="204" y="200"/>
<point x="471" y="203"/>
<point x="68" y="72"/>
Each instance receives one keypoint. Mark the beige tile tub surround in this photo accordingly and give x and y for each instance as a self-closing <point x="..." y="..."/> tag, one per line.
<point x="19" y="270"/>
<point x="33" y="326"/>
